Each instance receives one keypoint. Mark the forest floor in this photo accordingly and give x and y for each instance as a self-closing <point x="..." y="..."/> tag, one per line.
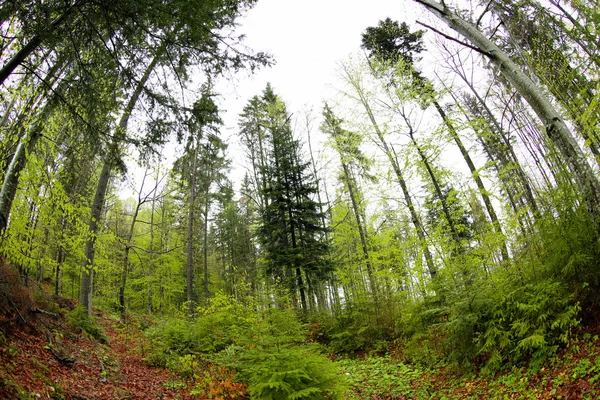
<point x="43" y="357"/>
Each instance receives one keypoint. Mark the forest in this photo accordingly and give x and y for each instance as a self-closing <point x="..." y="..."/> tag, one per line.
<point x="433" y="231"/>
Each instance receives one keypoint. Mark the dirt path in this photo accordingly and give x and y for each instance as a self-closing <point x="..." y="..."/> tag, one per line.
<point x="45" y="359"/>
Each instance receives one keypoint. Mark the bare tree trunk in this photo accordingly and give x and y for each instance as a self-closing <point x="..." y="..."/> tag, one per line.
<point x="18" y="162"/>
<point x="350" y="184"/>
<point x="480" y="186"/>
<point x="35" y="42"/>
<point x="85" y="295"/>
<point x="85" y="290"/>
<point x="205" y="244"/>
<point x="190" y="235"/>
<point x="393" y="159"/>
<point x="556" y="129"/>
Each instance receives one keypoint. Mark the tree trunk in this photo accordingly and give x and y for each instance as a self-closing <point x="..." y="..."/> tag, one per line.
<point x="350" y="184"/>
<point x="393" y="159"/>
<point x="18" y="162"/>
<point x="85" y="291"/>
<point x="556" y="129"/>
<point x="482" y="191"/>
<point x="438" y="190"/>
<point x="85" y="295"/>
<point x="205" y="244"/>
<point x="35" y="42"/>
<point x="190" y="235"/>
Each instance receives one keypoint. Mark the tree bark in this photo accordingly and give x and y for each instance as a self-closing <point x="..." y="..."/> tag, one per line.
<point x="35" y="42"/>
<point x="556" y="129"/>
<point x="18" y="162"/>
<point x="85" y="291"/>
<point x="480" y="186"/>
<point x="190" y="235"/>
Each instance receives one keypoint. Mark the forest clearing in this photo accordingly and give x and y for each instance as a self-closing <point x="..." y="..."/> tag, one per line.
<point x="174" y="223"/>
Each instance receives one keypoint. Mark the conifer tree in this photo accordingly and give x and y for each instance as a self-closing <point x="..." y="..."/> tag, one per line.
<point x="290" y="227"/>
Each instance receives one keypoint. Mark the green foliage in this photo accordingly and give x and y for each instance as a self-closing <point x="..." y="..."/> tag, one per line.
<point x="352" y="336"/>
<point x="264" y="348"/>
<point x="212" y="332"/>
<point x="291" y="373"/>
<point x="79" y="319"/>
<point x="187" y="365"/>
<point x="530" y="321"/>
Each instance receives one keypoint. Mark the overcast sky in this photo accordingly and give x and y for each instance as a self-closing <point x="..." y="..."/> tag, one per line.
<point x="306" y="38"/>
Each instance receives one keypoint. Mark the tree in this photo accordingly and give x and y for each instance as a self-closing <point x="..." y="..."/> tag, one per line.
<point x="394" y="45"/>
<point x="353" y="78"/>
<point x="556" y="128"/>
<point x="347" y="145"/>
<point x="290" y="230"/>
<point x="200" y="168"/>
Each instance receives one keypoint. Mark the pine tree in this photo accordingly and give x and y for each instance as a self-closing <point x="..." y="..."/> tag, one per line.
<point x="290" y="229"/>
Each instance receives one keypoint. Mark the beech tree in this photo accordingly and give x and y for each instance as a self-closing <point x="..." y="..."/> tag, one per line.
<point x="392" y="44"/>
<point x="556" y="128"/>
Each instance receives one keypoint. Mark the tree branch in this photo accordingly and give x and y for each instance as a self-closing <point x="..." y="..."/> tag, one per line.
<point x="477" y="49"/>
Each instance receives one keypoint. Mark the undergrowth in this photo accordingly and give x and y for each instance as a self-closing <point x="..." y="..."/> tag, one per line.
<point x="264" y="350"/>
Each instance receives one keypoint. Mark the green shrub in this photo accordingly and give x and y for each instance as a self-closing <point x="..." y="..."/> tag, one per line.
<point x="291" y="373"/>
<point x="528" y="323"/>
<point x="186" y="366"/>
<point x="219" y="326"/>
<point x="79" y="319"/>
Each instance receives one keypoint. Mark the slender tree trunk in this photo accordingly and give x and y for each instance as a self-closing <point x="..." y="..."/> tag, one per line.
<point x="393" y="159"/>
<point x="35" y="42"/>
<point x="205" y="245"/>
<point x="18" y="162"/>
<point x="151" y="252"/>
<point x="510" y="161"/>
<point x="350" y="184"/>
<point x="128" y="245"/>
<point x="480" y="186"/>
<point x="556" y="129"/>
<point x="85" y="291"/>
<point x="60" y="258"/>
<point x="437" y="188"/>
<point x="190" y="235"/>
<point x="85" y="295"/>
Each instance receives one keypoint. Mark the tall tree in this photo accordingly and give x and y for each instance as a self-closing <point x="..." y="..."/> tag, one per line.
<point x="200" y="167"/>
<point x="290" y="228"/>
<point x="393" y="44"/>
<point x="556" y="128"/>
<point x="347" y="145"/>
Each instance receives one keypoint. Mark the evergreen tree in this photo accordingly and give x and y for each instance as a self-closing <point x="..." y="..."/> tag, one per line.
<point x="290" y="229"/>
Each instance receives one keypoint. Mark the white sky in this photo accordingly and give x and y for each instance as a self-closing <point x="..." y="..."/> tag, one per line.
<point x="306" y="38"/>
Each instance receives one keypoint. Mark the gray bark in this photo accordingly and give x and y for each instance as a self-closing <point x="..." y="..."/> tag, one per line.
<point x="556" y="129"/>
<point x="85" y="291"/>
<point x="190" y="236"/>
<point x="480" y="186"/>
<point x="18" y="162"/>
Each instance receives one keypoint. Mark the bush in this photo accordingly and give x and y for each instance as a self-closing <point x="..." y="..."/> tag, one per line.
<point x="79" y="319"/>
<point x="291" y="373"/>
<point x="219" y="326"/>
<point x="262" y="347"/>
<point x="528" y="323"/>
